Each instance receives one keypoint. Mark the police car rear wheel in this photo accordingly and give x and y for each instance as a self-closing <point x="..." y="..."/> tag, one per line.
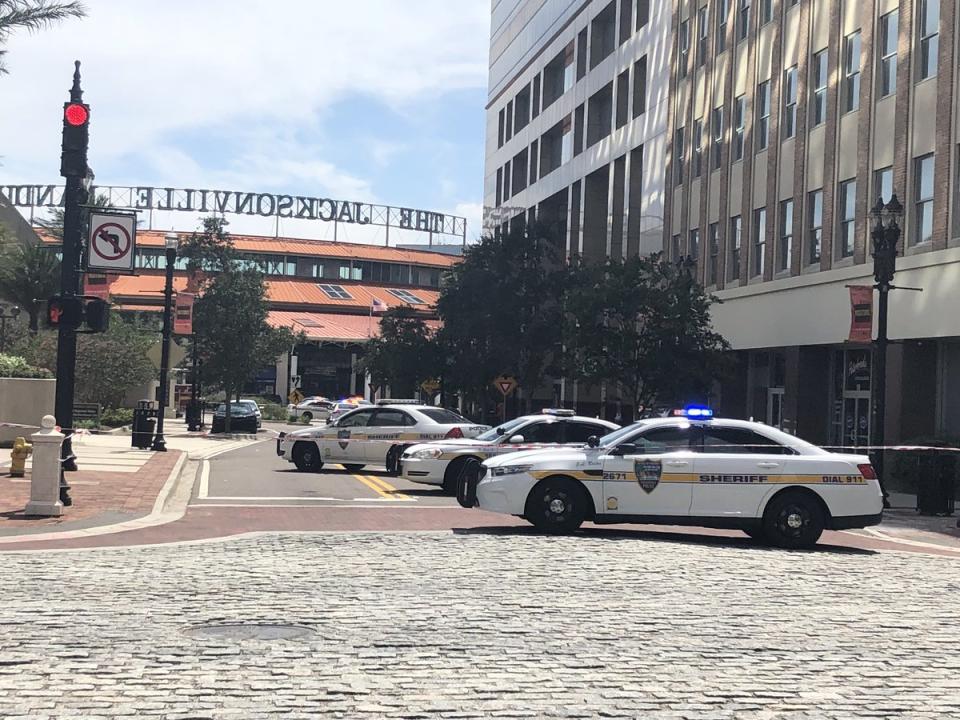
<point x="306" y="456"/>
<point x="793" y="520"/>
<point x="307" y="417"/>
<point x="556" y="505"/>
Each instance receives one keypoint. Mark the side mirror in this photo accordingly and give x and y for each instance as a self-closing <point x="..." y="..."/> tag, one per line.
<point x="499" y="431"/>
<point x="516" y="439"/>
<point x="625" y="449"/>
<point x="593" y="441"/>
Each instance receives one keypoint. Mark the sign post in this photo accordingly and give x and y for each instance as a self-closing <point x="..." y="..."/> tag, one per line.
<point x="506" y="385"/>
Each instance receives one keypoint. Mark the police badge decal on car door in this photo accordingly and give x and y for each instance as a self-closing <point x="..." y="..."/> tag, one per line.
<point x="648" y="473"/>
<point x="343" y="438"/>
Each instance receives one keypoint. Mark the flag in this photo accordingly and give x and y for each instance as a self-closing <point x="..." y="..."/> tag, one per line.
<point x="183" y="314"/>
<point x="861" y="313"/>
<point x="378" y="306"/>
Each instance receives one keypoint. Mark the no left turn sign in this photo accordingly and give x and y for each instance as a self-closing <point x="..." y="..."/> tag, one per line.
<point x="111" y="244"/>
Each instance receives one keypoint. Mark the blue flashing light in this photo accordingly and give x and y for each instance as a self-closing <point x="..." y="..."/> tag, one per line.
<point x="696" y="411"/>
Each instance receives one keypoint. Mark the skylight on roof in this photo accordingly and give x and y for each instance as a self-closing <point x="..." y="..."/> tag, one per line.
<point x="407" y="297"/>
<point x="336" y="292"/>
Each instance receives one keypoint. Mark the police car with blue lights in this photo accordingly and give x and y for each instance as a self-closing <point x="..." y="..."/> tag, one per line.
<point x="372" y="435"/>
<point x="442" y="462"/>
<point x="690" y="469"/>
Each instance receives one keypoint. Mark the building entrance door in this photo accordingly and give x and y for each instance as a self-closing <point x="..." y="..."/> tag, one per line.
<point x="851" y="398"/>
<point x="775" y="407"/>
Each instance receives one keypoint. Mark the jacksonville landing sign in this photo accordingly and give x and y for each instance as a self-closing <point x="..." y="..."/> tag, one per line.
<point x="243" y="203"/>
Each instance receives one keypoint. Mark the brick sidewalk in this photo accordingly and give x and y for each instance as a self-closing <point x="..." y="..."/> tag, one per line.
<point x="97" y="494"/>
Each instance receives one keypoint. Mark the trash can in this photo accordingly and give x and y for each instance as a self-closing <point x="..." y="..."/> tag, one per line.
<point x="144" y="422"/>
<point x="936" y="482"/>
<point x="194" y="416"/>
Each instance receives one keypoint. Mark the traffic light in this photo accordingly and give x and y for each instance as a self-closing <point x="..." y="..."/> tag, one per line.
<point x="96" y="315"/>
<point x="76" y="138"/>
<point x="64" y="312"/>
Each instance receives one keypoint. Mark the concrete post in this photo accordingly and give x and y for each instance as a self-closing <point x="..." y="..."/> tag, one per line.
<point x="45" y="477"/>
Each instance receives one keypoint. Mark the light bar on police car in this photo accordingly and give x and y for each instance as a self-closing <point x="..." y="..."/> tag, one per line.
<point x="695" y="411"/>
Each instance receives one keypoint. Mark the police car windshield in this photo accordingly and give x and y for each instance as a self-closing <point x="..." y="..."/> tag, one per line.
<point x="501" y="430"/>
<point x="616" y="436"/>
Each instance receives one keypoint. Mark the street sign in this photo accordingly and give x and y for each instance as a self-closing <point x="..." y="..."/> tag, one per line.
<point x="295" y="397"/>
<point x="505" y="385"/>
<point x="112" y="242"/>
<point x="177" y="354"/>
<point x="430" y="387"/>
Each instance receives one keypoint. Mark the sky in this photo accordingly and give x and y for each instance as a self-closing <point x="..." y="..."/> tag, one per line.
<point x="377" y="101"/>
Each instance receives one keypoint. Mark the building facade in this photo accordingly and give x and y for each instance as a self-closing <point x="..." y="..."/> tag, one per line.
<point x="576" y="121"/>
<point x="788" y="120"/>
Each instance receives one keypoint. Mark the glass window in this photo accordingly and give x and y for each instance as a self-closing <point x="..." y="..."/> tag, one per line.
<point x="743" y="19"/>
<point x="786" y="235"/>
<point x="663" y="440"/>
<point x="406" y="296"/>
<point x="703" y="32"/>
<point x="923" y="194"/>
<point x="759" y="240"/>
<point x="763" y="115"/>
<point x="723" y="10"/>
<point x="815" y="225"/>
<point x="336" y="292"/>
<point x="390" y="418"/>
<point x="889" y="35"/>
<point x="717" y="145"/>
<point x="846" y="212"/>
<point x="728" y="440"/>
<point x="444" y="416"/>
<point x="714" y="238"/>
<point x="766" y="11"/>
<point x="929" y="37"/>
<point x="882" y="185"/>
<point x="678" y="157"/>
<point x="540" y="432"/>
<point x="739" y="125"/>
<point x="580" y="432"/>
<point x="733" y="242"/>
<point x="643" y="13"/>
<point x="851" y="72"/>
<point x="676" y="248"/>
<point x="500" y="128"/>
<point x="603" y="40"/>
<point x="818" y="108"/>
<point x="640" y="87"/>
<point x="683" y="44"/>
<point x="357" y="418"/>
<point x="697" y="148"/>
<point x="790" y="102"/>
<point x="694" y="244"/>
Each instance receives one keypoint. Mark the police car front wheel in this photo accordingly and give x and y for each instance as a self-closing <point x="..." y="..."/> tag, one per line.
<point x="556" y="505"/>
<point x="306" y="456"/>
<point x="793" y="520"/>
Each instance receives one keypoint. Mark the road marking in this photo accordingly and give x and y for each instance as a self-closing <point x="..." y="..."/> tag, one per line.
<point x="204" y="480"/>
<point x="373" y="486"/>
<point x="259" y="497"/>
<point x="388" y="488"/>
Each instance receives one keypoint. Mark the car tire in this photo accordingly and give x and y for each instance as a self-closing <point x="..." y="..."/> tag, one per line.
<point x="451" y="477"/>
<point x="306" y="456"/>
<point x="793" y="520"/>
<point x="307" y="417"/>
<point x="391" y="462"/>
<point x="556" y="505"/>
<point x="350" y="467"/>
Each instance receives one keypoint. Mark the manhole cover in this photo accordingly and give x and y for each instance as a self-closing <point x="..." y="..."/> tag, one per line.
<point x="248" y="631"/>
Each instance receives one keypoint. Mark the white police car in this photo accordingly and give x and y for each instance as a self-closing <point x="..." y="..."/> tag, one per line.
<point x="689" y="470"/>
<point x="367" y="435"/>
<point x="441" y="462"/>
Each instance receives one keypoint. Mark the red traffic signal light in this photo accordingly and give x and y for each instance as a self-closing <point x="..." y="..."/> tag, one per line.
<point x="64" y="311"/>
<point x="76" y="114"/>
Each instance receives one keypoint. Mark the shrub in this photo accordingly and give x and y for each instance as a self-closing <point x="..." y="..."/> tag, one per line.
<point x="272" y="411"/>
<point x="116" y="417"/>
<point x="12" y="366"/>
<point x="86" y="425"/>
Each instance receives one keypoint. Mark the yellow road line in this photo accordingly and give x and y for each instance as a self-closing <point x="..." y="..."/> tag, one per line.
<point x="388" y="488"/>
<point x="389" y="492"/>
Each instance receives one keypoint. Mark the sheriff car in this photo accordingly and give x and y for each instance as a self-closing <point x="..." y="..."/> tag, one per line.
<point x="441" y="462"/>
<point x="688" y="470"/>
<point x="367" y="435"/>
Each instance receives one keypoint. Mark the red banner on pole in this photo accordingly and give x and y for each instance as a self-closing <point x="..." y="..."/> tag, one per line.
<point x="861" y="313"/>
<point x="183" y="314"/>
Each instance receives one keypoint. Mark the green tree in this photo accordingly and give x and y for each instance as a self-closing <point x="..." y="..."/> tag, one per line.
<point x="502" y="312"/>
<point x="644" y="325"/>
<point x="54" y="223"/>
<point x="32" y="15"/>
<point x="233" y="337"/>
<point x="209" y="251"/>
<point x="405" y="354"/>
<point x="29" y="275"/>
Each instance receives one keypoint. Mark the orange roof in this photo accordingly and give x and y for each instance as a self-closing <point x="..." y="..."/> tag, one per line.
<point x="330" y="327"/>
<point x="135" y="289"/>
<point x="312" y="248"/>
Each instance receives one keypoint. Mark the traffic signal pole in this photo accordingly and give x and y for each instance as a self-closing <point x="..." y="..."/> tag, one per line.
<point x="73" y="168"/>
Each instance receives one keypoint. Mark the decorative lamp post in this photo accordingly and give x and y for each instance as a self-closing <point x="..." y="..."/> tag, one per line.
<point x="11" y="314"/>
<point x="171" y="241"/>
<point x="885" y="235"/>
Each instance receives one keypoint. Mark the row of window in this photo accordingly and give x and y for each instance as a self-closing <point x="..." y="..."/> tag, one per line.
<point x="928" y="29"/>
<point x="593" y="45"/>
<point x="920" y="230"/>
<point x="590" y="123"/>
<point x="292" y="266"/>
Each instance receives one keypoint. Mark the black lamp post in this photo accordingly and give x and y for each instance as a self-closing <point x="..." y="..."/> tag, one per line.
<point x="5" y="315"/>
<point x="170" y="241"/>
<point x="885" y="235"/>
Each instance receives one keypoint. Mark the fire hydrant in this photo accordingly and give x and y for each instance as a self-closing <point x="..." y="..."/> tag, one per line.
<point x="18" y="457"/>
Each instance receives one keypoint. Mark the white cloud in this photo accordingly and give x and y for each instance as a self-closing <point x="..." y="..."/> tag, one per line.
<point x="264" y="70"/>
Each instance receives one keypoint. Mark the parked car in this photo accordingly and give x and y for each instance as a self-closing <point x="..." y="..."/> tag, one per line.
<point x="252" y="404"/>
<point x="312" y="408"/>
<point x="345" y="406"/>
<point x="243" y="418"/>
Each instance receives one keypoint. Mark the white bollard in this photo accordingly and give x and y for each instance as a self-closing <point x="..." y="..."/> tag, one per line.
<point x="45" y="476"/>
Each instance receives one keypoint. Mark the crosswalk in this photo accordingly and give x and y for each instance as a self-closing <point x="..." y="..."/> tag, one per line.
<point x="105" y="459"/>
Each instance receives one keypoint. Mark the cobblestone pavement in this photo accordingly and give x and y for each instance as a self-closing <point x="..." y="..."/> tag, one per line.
<point x="429" y="625"/>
